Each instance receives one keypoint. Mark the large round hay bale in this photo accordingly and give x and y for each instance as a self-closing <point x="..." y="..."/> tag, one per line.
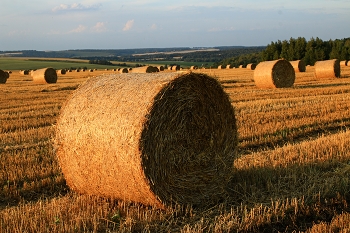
<point x="327" y="69"/>
<point x="150" y="138"/>
<point x="251" y="66"/>
<point x="44" y="76"/>
<point x="145" y="69"/>
<point x="274" y="74"/>
<point x="4" y="76"/>
<point x="175" y="67"/>
<point x="298" y="65"/>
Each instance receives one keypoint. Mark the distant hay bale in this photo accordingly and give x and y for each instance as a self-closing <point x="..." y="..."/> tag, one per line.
<point x="91" y="70"/>
<point x="124" y="70"/>
<point x="129" y="69"/>
<point x="344" y="63"/>
<point x="228" y="66"/>
<point x="193" y="67"/>
<point x="327" y="69"/>
<point x="174" y="143"/>
<point x="145" y="69"/>
<point x="240" y="66"/>
<point x="175" y="67"/>
<point x="24" y="72"/>
<point x="61" y="71"/>
<point x="220" y="67"/>
<point x="160" y="68"/>
<point x="298" y="65"/>
<point x="251" y="66"/>
<point x="45" y="76"/>
<point x="4" y="76"/>
<point x="274" y="74"/>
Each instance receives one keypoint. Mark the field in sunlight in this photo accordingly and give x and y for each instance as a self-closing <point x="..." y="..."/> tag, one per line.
<point x="292" y="173"/>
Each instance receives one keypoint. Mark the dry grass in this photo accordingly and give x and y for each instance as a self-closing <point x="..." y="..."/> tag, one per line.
<point x="292" y="173"/>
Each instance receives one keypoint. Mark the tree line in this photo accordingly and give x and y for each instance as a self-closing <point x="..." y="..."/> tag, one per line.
<point x="297" y="49"/>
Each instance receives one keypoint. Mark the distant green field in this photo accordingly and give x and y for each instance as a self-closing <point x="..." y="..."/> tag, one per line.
<point x="28" y="64"/>
<point x="37" y="63"/>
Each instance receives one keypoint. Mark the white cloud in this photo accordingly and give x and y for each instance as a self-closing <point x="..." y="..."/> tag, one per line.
<point x="79" y="29"/>
<point x="99" y="27"/>
<point x="75" y="7"/>
<point x="128" y="25"/>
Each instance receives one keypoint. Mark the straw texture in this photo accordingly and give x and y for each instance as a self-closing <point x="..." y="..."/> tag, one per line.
<point x="4" y="76"/>
<point x="150" y="138"/>
<point x="298" y="65"/>
<point x="44" y="76"/>
<point x="274" y="74"/>
<point x="327" y="69"/>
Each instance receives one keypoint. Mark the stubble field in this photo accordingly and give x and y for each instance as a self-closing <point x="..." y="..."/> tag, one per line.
<point x="292" y="173"/>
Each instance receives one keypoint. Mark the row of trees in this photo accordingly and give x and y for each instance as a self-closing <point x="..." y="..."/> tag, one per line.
<point x="297" y="49"/>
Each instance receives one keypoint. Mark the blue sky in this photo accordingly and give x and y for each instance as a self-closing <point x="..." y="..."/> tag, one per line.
<point x="113" y="24"/>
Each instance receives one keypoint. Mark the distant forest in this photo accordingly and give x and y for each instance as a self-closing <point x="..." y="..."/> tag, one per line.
<point x="296" y="49"/>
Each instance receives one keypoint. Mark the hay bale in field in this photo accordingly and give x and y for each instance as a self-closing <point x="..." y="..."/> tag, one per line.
<point x="298" y="65"/>
<point x="344" y="63"/>
<point x="4" y="76"/>
<point x="175" y="68"/>
<point x="160" y="68"/>
<point x="327" y="69"/>
<point x="124" y="70"/>
<point x="91" y="70"/>
<point x="24" y="72"/>
<point x="274" y="74"/>
<point x="45" y="76"/>
<point x="61" y="71"/>
<point x="220" y="67"/>
<point x="251" y="66"/>
<point x="240" y="66"/>
<point x="194" y="67"/>
<point x="228" y="66"/>
<point x="145" y="69"/>
<point x="149" y="138"/>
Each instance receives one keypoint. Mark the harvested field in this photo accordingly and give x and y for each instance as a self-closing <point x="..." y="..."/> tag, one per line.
<point x="291" y="173"/>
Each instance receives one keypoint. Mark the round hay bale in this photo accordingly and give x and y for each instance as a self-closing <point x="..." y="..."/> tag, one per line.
<point x="220" y="67"/>
<point x="327" y="69"/>
<point x="194" y="67"/>
<point x="160" y="68"/>
<point x="145" y="69"/>
<point x="61" y="71"/>
<point x="344" y="63"/>
<point x="228" y="66"/>
<point x="175" y="68"/>
<point x="174" y="143"/>
<point x="24" y="72"/>
<point x="251" y="66"/>
<point x="91" y="70"/>
<point x="4" y="76"/>
<point x="44" y="76"/>
<point x="274" y="74"/>
<point x="169" y="67"/>
<point x="298" y="65"/>
<point x="124" y="70"/>
<point x="240" y="66"/>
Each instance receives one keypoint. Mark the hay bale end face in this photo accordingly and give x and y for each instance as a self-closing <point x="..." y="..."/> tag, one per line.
<point x="124" y="70"/>
<point x="274" y="74"/>
<point x="4" y="76"/>
<point x="298" y="66"/>
<point x="327" y="69"/>
<point x="61" y="71"/>
<point x="44" y="76"/>
<point x="175" y="143"/>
